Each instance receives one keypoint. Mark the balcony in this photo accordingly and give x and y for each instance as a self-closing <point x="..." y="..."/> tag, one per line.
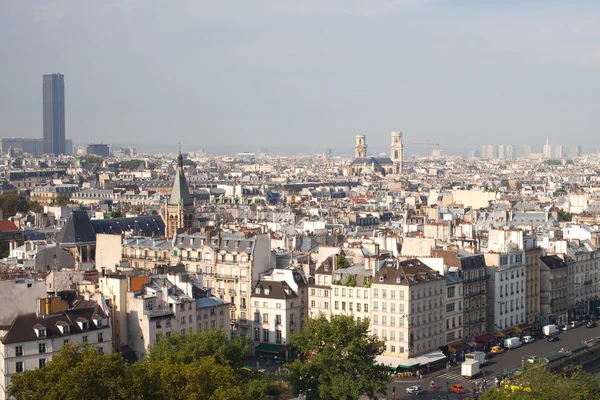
<point x="587" y="282"/>
<point x="232" y="292"/>
<point x="222" y="276"/>
<point x="141" y="257"/>
<point x="159" y="312"/>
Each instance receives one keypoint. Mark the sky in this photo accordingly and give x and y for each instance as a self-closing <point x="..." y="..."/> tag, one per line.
<point x="305" y="74"/>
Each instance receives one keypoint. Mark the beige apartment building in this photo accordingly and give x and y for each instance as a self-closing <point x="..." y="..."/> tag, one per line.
<point x="408" y="308"/>
<point x="533" y="252"/>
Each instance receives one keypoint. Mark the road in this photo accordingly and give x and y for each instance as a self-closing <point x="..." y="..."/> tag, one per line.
<point x="496" y="365"/>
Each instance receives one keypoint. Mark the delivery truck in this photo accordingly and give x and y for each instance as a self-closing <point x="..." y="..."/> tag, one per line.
<point x="477" y="355"/>
<point x="549" y="330"/>
<point x="470" y="368"/>
<point x="512" y="343"/>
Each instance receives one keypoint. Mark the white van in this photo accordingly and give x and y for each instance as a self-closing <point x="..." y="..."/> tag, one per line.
<point x="512" y="343"/>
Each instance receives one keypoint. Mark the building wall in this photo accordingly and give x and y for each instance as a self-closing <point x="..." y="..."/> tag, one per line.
<point x="115" y="290"/>
<point x="108" y="251"/>
<point x="454" y="312"/>
<point x="532" y="284"/>
<point x="19" y="297"/>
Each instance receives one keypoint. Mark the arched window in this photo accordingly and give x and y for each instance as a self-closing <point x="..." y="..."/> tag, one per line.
<point x="396" y="154"/>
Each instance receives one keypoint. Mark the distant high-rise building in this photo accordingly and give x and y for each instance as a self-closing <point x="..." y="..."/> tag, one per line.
<point x="510" y="151"/>
<point x="483" y="152"/>
<point x="527" y="151"/>
<point x="492" y="151"/>
<point x="547" y="150"/>
<point x="558" y="151"/>
<point x="98" y="149"/>
<point x="576" y="151"/>
<point x="501" y="152"/>
<point x="54" y="114"/>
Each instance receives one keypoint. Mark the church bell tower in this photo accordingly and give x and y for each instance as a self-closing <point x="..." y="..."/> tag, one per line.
<point x="397" y="151"/>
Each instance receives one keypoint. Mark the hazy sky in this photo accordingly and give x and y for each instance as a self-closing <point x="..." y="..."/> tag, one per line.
<point x="305" y="72"/>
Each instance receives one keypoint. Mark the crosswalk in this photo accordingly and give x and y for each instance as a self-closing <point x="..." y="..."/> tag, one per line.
<point x="450" y="376"/>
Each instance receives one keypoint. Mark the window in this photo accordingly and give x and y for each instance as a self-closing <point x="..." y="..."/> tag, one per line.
<point x="65" y="342"/>
<point x="265" y="318"/>
<point x="84" y="339"/>
<point x="375" y="293"/>
<point x="278" y="319"/>
<point x="336" y="305"/>
<point x="256" y="317"/>
<point x="190" y="318"/>
<point x="375" y="306"/>
<point x="278" y="338"/>
<point x="18" y="351"/>
<point x="100" y="339"/>
<point x="256" y="334"/>
<point x="19" y="366"/>
<point x="327" y="305"/>
<point x="357" y="307"/>
<point x="266" y="336"/>
<point x="450" y="307"/>
<point x="42" y="348"/>
<point x="41" y="363"/>
<point x="312" y="303"/>
<point x="366" y="307"/>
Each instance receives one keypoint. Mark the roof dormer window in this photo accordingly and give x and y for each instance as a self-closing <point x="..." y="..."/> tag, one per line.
<point x="257" y="290"/>
<point x="268" y="290"/>
<point x="381" y="278"/>
<point x="83" y="323"/>
<point x="64" y="327"/>
<point x="398" y="279"/>
<point x="40" y="331"/>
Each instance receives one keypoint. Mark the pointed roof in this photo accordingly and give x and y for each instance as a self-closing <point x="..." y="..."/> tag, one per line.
<point x="180" y="192"/>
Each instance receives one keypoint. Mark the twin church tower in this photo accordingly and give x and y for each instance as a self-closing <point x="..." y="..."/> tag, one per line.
<point x="384" y="165"/>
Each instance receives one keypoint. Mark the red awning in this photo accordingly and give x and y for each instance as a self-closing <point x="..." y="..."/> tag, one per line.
<point x="485" y="338"/>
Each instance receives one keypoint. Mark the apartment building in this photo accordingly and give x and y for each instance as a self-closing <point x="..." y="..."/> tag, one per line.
<point x="472" y="270"/>
<point x="408" y="308"/>
<point x="506" y="292"/>
<point x="159" y="308"/>
<point x="533" y="253"/>
<point x="32" y="339"/>
<point x="554" y="278"/>
<point x="351" y="292"/>
<point x="278" y="310"/>
<point x="584" y="281"/>
<point x="454" y="307"/>
<point x="230" y="264"/>
<point x="146" y="253"/>
<point x="319" y="296"/>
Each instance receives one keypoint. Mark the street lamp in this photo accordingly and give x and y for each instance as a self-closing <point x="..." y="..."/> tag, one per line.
<point x="447" y="391"/>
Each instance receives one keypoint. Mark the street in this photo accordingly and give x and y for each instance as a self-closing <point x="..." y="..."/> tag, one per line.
<point x="508" y="360"/>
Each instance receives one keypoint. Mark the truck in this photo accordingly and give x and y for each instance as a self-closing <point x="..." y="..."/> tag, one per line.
<point x="549" y="330"/>
<point x="470" y="368"/>
<point x="512" y="343"/>
<point x="477" y="355"/>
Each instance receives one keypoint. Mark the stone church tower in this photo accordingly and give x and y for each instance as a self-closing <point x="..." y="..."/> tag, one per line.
<point x="360" y="149"/>
<point x="179" y="211"/>
<point x="397" y="150"/>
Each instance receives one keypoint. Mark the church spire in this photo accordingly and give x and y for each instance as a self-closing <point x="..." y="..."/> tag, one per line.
<point x="180" y="194"/>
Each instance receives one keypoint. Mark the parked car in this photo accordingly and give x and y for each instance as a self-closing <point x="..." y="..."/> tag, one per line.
<point x="532" y="359"/>
<point x="576" y="324"/>
<point x="497" y="350"/>
<point x="414" y="390"/>
<point x="458" y="388"/>
<point x="591" y="324"/>
<point x="565" y="327"/>
<point x="553" y="338"/>
<point x="528" y="339"/>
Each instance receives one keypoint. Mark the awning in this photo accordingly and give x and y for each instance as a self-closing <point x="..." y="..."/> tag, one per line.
<point x="485" y="338"/>
<point x="521" y="327"/>
<point x="500" y="334"/>
<point x="268" y="348"/>
<point x="456" y="347"/>
<point x="408" y="363"/>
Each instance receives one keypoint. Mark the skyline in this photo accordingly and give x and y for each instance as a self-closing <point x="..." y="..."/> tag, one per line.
<point x="306" y="75"/>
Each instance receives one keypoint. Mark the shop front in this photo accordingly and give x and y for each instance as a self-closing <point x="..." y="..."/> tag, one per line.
<point x="524" y="329"/>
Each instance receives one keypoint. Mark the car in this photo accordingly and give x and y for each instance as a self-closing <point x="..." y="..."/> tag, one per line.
<point x="553" y="338"/>
<point x="528" y="339"/>
<point x="458" y="388"/>
<point x="565" y="327"/>
<point x="576" y="324"/>
<point x="414" y="390"/>
<point x="532" y="359"/>
<point x="497" y="350"/>
<point x="591" y="324"/>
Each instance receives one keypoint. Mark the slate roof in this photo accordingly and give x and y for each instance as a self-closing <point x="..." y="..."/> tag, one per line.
<point x="277" y="290"/>
<point x="553" y="262"/>
<point x="180" y="194"/>
<point x="22" y="327"/>
<point x="81" y="230"/>
<point x="407" y="273"/>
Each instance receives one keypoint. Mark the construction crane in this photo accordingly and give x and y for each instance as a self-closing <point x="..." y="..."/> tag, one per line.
<point x="426" y="143"/>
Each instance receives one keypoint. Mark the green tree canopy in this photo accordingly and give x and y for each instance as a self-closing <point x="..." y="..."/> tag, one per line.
<point x="566" y="216"/>
<point x="341" y="365"/>
<point x="131" y="164"/>
<point x="186" y="348"/>
<point x="91" y="159"/>
<point x="115" y="214"/>
<point x="13" y="203"/>
<point x="540" y="383"/>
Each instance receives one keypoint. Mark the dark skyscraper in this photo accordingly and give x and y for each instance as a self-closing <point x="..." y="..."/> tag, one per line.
<point x="54" y="114"/>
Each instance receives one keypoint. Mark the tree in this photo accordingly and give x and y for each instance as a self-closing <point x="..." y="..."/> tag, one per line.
<point x="187" y="161"/>
<point x="12" y="204"/>
<point x="4" y="247"/>
<point x="131" y="164"/>
<point x="341" y="360"/>
<point x="77" y="372"/>
<point x="35" y="206"/>
<point x="187" y="348"/>
<point x="565" y="215"/>
<point x="538" y="382"/>
<point x="91" y="159"/>
<point x="61" y="201"/>
<point x="115" y="214"/>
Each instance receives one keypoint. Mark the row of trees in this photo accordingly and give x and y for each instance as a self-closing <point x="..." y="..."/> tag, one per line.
<point x="194" y="366"/>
